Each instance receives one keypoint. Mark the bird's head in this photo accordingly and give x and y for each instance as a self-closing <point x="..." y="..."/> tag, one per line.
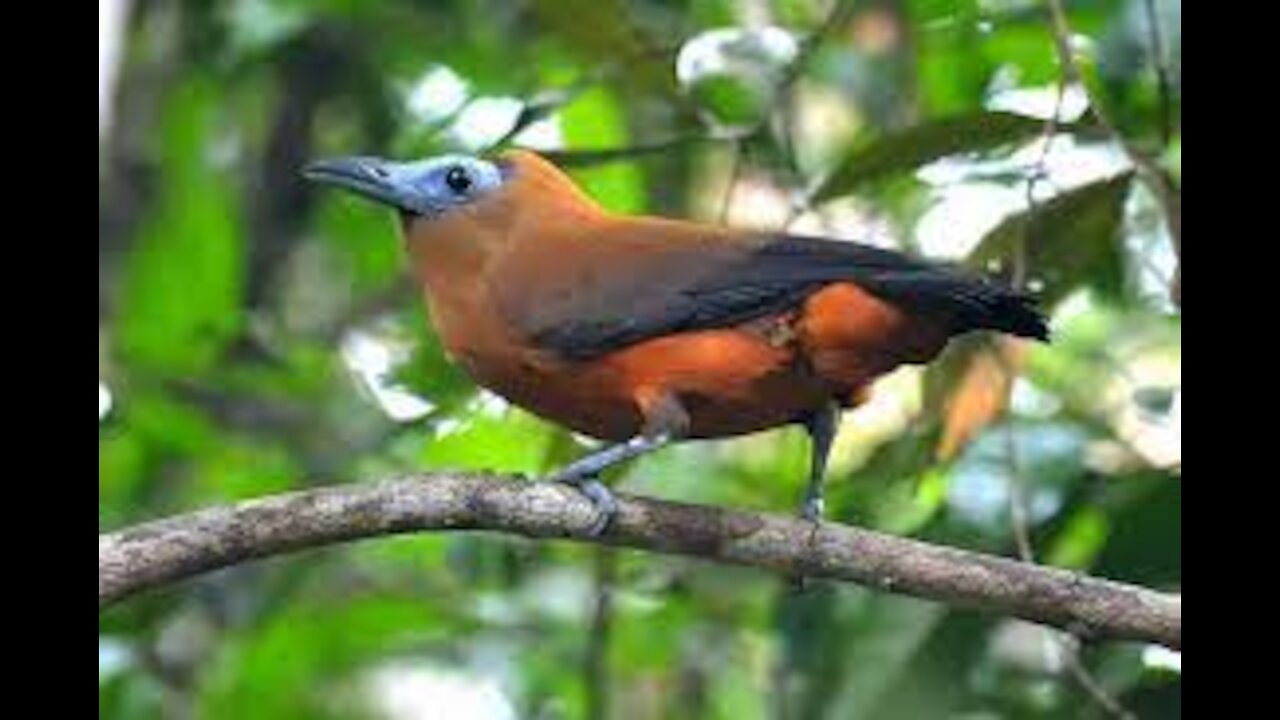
<point x="428" y="189"/>
<point x="437" y="188"/>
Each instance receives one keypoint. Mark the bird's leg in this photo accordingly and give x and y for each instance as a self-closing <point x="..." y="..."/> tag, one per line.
<point x="665" y="421"/>
<point x="584" y="474"/>
<point x="588" y="468"/>
<point x="821" y="426"/>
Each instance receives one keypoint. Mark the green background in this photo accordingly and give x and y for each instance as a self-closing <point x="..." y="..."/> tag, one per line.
<point x="258" y="336"/>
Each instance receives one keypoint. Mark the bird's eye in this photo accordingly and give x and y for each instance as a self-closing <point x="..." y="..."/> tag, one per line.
<point x="459" y="181"/>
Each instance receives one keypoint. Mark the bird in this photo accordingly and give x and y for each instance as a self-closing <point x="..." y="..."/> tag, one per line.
<point x="643" y="331"/>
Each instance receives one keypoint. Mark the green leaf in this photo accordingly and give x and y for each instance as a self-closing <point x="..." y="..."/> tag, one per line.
<point x="711" y="13"/>
<point x="290" y="666"/>
<point x="367" y="240"/>
<point x="915" y="147"/>
<point x="1144" y="545"/>
<point x="951" y="71"/>
<point x="602" y="32"/>
<point x="934" y="681"/>
<point x="1172" y="159"/>
<point x="898" y="490"/>
<point x="241" y="470"/>
<point x="597" y="120"/>
<point x="732" y="101"/>
<point x="1080" y="541"/>
<point x="182" y="289"/>
<point x="512" y="442"/>
<point x="883" y="634"/>
<point x="651" y="640"/>
<point x="122" y="471"/>
<point x="1071" y="241"/>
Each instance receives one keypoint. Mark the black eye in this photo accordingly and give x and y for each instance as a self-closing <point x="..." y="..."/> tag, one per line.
<point x="459" y="181"/>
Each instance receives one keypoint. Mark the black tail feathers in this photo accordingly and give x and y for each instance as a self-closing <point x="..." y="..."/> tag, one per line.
<point x="989" y="306"/>
<point x="969" y="303"/>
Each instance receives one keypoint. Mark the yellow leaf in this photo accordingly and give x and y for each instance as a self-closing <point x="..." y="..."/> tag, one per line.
<point x="981" y="394"/>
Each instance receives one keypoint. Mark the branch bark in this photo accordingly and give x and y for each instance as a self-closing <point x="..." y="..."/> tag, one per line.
<point x="161" y="553"/>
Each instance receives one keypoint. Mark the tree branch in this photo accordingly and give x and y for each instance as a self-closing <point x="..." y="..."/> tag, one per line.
<point x="164" y="552"/>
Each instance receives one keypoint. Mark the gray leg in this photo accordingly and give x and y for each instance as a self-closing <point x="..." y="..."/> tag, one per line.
<point x="589" y="467"/>
<point x="584" y="474"/>
<point x="821" y="426"/>
<point x="665" y="421"/>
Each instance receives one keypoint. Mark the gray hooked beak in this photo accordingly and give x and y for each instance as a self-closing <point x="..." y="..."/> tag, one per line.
<point x="382" y="181"/>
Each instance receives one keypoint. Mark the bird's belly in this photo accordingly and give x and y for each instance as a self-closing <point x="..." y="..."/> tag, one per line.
<point x="733" y="381"/>
<point x="730" y="382"/>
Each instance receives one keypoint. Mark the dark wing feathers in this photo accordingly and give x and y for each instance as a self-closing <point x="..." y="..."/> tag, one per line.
<point x="701" y="291"/>
<point x="793" y="267"/>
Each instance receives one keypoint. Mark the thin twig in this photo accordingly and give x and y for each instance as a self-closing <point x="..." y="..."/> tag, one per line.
<point x="1166" y="192"/>
<point x="842" y="12"/>
<point x="731" y="189"/>
<point x="1089" y="682"/>
<point x="1019" y="506"/>
<point x="592" y="158"/>
<point x="549" y="102"/>
<point x="597" y="674"/>
<point x="782" y="115"/>
<point x="1040" y="171"/>
<point x="1065" y="646"/>
<point x="1164" y="85"/>
<point x="1149" y="171"/>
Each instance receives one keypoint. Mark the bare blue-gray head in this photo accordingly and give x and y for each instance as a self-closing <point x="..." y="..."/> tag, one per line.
<point x="428" y="188"/>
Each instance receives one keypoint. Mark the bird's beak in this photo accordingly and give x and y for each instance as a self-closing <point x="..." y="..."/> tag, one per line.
<point x="379" y="180"/>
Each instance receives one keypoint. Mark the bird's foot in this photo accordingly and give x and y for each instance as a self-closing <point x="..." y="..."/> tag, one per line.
<point x="601" y="497"/>
<point x="813" y="509"/>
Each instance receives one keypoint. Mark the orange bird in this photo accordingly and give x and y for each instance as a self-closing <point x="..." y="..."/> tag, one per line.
<point x="645" y="331"/>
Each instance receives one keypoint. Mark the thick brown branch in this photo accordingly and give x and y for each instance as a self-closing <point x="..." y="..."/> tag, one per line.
<point x="164" y="552"/>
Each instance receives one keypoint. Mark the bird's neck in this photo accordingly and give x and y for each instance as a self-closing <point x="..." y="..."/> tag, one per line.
<point x="452" y="255"/>
<point x="456" y="258"/>
<point x="449" y="258"/>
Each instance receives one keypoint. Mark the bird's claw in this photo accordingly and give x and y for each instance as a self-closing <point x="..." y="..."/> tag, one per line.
<point x="813" y="510"/>
<point x="603" y="499"/>
<point x="605" y="503"/>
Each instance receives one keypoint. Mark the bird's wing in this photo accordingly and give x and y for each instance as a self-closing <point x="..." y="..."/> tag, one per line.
<point x="640" y="279"/>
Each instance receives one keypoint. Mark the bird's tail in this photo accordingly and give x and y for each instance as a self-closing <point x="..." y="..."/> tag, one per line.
<point x="968" y="303"/>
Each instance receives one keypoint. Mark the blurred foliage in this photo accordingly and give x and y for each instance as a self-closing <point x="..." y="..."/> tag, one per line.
<point x="255" y="336"/>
